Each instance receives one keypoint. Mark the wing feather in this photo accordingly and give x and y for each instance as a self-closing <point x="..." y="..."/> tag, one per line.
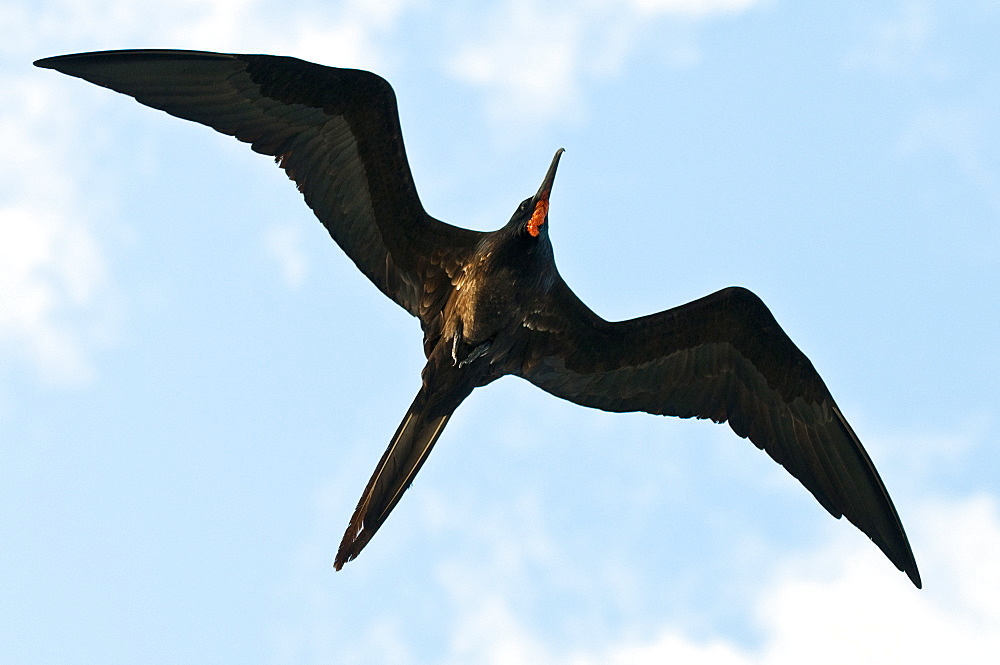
<point x="725" y="358"/>
<point x="335" y="132"/>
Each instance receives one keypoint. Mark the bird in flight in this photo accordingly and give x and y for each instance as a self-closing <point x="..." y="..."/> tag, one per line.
<point x="493" y="303"/>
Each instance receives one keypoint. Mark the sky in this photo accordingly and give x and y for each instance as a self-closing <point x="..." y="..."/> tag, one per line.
<point x="196" y="383"/>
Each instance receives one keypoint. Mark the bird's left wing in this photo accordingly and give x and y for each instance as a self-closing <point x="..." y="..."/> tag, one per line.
<point x="335" y="132"/>
<point x="722" y="357"/>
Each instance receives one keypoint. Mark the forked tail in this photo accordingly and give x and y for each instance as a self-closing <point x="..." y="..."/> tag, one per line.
<point x="395" y="471"/>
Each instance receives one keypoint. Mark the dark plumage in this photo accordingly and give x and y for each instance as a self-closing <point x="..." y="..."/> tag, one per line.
<point x="493" y="303"/>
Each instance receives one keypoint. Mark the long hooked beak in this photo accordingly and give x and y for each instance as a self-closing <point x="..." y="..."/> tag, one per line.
<point x="541" y="200"/>
<point x="546" y="188"/>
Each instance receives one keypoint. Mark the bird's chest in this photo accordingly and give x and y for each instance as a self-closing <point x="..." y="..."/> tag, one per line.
<point x="486" y="302"/>
<point x="494" y="293"/>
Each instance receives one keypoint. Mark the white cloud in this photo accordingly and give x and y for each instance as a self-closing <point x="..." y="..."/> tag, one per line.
<point x="529" y="60"/>
<point x="54" y="286"/>
<point x="963" y="559"/>
<point x="492" y="635"/>
<point x="284" y="244"/>
<point x="53" y="297"/>
<point x="952" y="118"/>
<point x="840" y="604"/>
<point x="494" y="586"/>
<point x="860" y="613"/>
<point x="965" y="136"/>
<point x="899" y="45"/>
<point x="924" y="453"/>
<point x="347" y="34"/>
<point x="533" y="57"/>
<point x="50" y="270"/>
<point x="694" y="8"/>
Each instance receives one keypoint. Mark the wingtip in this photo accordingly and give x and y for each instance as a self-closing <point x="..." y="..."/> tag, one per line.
<point x="55" y="61"/>
<point x="59" y="63"/>
<point x="905" y="561"/>
<point x="903" y="557"/>
<point x="46" y="63"/>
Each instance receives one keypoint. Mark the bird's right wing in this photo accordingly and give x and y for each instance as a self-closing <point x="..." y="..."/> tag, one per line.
<point x="722" y="357"/>
<point x="334" y="131"/>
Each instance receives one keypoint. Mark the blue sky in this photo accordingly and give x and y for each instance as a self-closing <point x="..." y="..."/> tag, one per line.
<point x="195" y="382"/>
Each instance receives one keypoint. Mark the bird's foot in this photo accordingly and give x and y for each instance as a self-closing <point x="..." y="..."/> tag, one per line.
<point x="477" y="352"/>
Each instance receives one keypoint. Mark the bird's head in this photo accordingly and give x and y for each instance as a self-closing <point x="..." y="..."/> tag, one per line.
<point x="533" y="213"/>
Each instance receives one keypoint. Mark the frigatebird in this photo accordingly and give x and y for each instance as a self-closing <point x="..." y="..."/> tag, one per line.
<point x="493" y="303"/>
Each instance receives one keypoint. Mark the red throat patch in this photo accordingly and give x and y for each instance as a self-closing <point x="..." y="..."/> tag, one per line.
<point x="538" y="217"/>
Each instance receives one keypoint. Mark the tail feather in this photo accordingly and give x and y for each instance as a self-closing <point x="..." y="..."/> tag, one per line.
<point x="406" y="453"/>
